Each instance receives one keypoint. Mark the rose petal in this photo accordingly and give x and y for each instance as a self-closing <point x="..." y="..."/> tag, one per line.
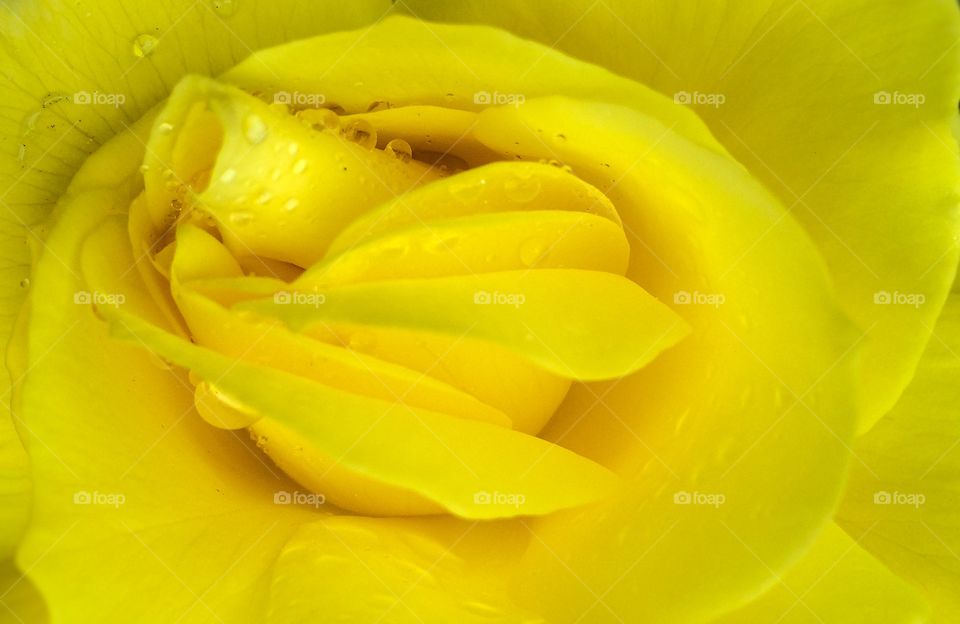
<point x="902" y="501"/>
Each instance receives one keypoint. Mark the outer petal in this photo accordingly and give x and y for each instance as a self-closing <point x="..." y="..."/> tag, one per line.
<point x="836" y="582"/>
<point x="718" y="431"/>
<point x="19" y="601"/>
<point x="131" y="487"/>
<point x="804" y="85"/>
<point x="415" y="572"/>
<point x="903" y="501"/>
<point x="53" y="53"/>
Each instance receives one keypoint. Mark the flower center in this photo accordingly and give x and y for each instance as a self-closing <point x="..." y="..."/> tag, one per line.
<point x="396" y="262"/>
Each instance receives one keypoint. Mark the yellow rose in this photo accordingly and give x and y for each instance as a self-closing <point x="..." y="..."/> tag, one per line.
<point x="421" y="322"/>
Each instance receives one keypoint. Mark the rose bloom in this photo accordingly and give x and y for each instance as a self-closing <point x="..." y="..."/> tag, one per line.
<point x="616" y="311"/>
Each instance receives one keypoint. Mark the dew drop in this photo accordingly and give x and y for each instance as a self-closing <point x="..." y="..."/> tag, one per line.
<point x="300" y="166"/>
<point x="361" y="132"/>
<point x="291" y="204"/>
<point x="522" y="189"/>
<point x="228" y="176"/>
<point x="241" y="217"/>
<point x="265" y="197"/>
<point x="220" y="410"/>
<point x="292" y="149"/>
<point x="53" y="98"/>
<point x="320" y="118"/>
<point x="532" y="251"/>
<point x="144" y="45"/>
<point x="254" y="129"/>
<point x="165" y="128"/>
<point x="224" y="8"/>
<point x="144" y="169"/>
<point x="466" y="190"/>
<point x="400" y="149"/>
<point x="379" y="105"/>
<point x="25" y="282"/>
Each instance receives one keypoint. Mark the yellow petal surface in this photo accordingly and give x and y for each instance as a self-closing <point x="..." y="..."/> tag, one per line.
<point x="723" y="493"/>
<point x="494" y="188"/>
<point x="363" y="435"/>
<point x="187" y="510"/>
<point x="19" y="600"/>
<point x="836" y="582"/>
<point x="862" y="154"/>
<point x="406" y="572"/>
<point x="902" y="501"/>
<point x="577" y="324"/>
<point x="275" y="187"/>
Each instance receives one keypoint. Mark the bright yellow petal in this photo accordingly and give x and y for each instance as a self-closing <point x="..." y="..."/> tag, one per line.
<point x="577" y="324"/>
<point x="187" y="510"/>
<point x="836" y="582"/>
<point x="388" y="570"/>
<point x="445" y="459"/>
<point x="804" y="88"/>
<point x="902" y="502"/>
<point x="20" y="603"/>
<point x="736" y="410"/>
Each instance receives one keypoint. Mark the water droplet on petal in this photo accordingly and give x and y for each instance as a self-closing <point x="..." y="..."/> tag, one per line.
<point x="292" y="149"/>
<point x="532" y="251"/>
<point x="25" y="282"/>
<point x="228" y="176"/>
<point x="291" y="204"/>
<point x="144" y="45"/>
<point x="300" y="166"/>
<point x="254" y="129"/>
<point x="361" y="132"/>
<point x="400" y="149"/>
<point x="224" y="8"/>
<point x="466" y="190"/>
<point x="522" y="188"/>
<point x="265" y="197"/>
<point x="165" y="128"/>
<point x="241" y="217"/>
